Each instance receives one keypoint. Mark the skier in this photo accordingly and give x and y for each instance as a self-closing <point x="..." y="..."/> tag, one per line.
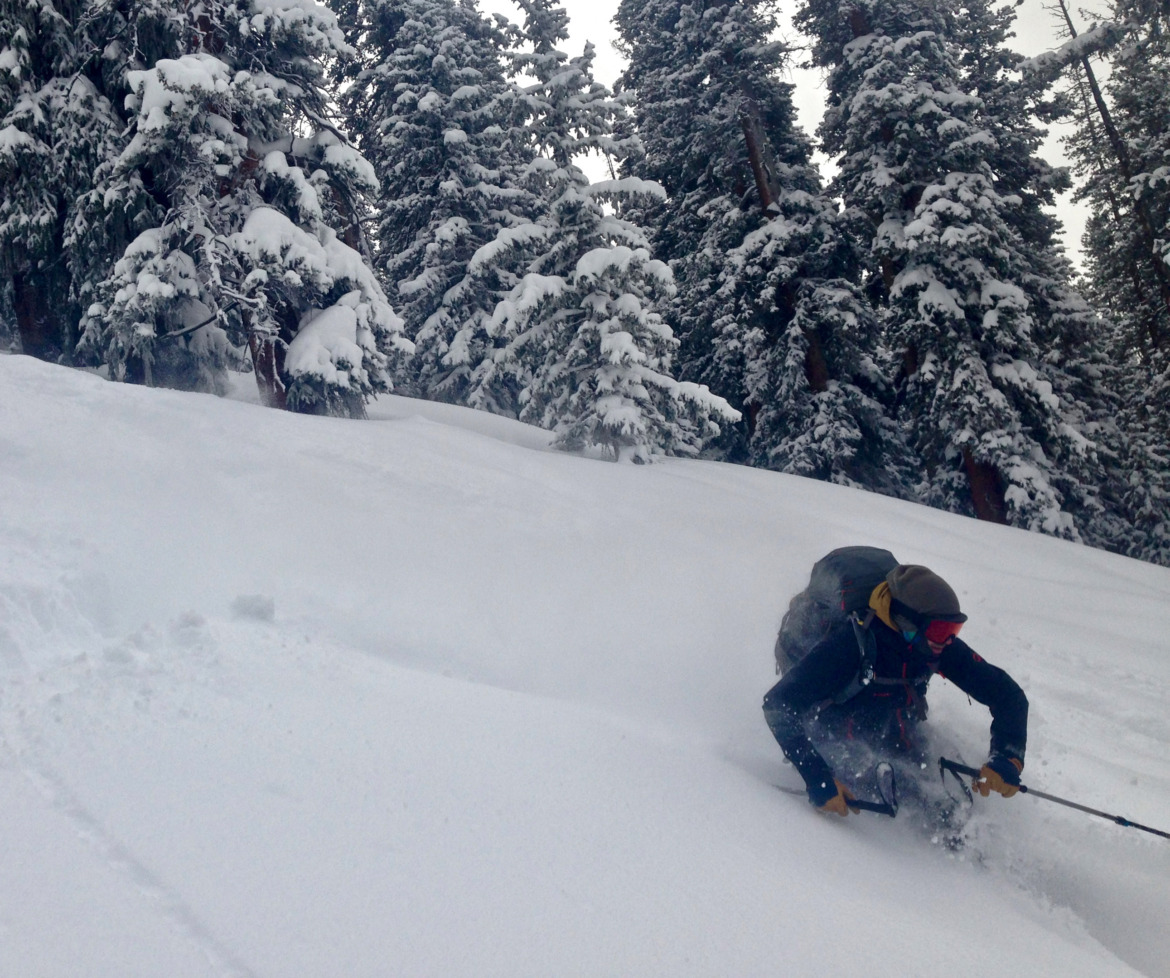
<point x="860" y="707"/>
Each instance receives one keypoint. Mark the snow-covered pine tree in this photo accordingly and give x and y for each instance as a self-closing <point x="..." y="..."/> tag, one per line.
<point x="583" y="333"/>
<point x="252" y="245"/>
<point x="697" y="75"/>
<point x="430" y="107"/>
<point x="921" y="165"/>
<point x="1121" y="150"/>
<point x="61" y="66"/>
<point x="1142" y="483"/>
<point x="769" y="308"/>
<point x="1072" y="337"/>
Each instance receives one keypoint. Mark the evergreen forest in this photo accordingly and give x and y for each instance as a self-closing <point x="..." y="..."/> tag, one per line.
<point x="350" y="198"/>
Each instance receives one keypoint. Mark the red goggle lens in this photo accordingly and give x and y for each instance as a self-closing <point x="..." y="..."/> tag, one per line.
<point x="941" y="632"/>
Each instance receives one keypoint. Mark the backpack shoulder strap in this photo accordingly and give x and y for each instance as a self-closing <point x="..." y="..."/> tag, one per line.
<point x="867" y="655"/>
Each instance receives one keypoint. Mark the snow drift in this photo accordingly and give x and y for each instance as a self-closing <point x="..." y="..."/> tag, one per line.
<point x="292" y="696"/>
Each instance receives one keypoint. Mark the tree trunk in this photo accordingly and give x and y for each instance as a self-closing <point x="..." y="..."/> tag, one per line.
<point x="268" y="364"/>
<point x="858" y="23"/>
<point x="40" y="333"/>
<point x="816" y="367"/>
<point x="753" y="134"/>
<point x="1117" y="144"/>
<point x="986" y="489"/>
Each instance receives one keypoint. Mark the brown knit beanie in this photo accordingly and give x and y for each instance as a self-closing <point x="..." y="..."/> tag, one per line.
<point x="922" y="591"/>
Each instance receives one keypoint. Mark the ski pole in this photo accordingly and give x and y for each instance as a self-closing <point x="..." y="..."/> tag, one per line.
<point x="955" y="768"/>
<point x="877" y="807"/>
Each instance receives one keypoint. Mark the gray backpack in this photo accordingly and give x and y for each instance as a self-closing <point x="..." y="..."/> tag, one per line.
<point x="840" y="585"/>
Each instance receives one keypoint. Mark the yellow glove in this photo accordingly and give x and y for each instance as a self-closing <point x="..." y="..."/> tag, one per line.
<point x="1001" y="774"/>
<point x="839" y="803"/>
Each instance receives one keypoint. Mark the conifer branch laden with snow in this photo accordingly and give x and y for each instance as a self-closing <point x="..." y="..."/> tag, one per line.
<point x="602" y="359"/>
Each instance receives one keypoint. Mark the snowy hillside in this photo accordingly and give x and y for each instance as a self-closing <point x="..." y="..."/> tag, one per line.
<point x="286" y="696"/>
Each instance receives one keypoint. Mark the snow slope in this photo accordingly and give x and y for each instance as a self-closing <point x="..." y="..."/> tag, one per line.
<point x="289" y="696"/>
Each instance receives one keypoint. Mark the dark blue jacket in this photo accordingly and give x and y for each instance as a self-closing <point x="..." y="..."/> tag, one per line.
<point x="884" y="712"/>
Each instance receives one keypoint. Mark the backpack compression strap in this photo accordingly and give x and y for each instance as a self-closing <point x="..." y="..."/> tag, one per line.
<point x="867" y="649"/>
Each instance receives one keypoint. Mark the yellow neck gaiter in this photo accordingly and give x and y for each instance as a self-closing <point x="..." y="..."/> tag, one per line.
<point x="879" y="600"/>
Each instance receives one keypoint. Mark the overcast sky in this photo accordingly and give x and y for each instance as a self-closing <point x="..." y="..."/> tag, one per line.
<point x="1036" y="31"/>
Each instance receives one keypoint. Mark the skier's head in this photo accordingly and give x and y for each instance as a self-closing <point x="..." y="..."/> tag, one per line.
<point x="920" y="600"/>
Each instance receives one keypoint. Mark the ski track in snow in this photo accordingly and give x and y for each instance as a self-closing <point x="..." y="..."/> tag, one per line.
<point x="122" y="861"/>
<point x="444" y="737"/>
<point x="38" y="700"/>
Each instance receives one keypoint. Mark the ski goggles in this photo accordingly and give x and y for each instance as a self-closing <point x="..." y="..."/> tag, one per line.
<point x="939" y="632"/>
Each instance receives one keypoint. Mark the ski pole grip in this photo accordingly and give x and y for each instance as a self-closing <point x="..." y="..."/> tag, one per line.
<point x="878" y="808"/>
<point x="973" y="773"/>
<point x="956" y="768"/>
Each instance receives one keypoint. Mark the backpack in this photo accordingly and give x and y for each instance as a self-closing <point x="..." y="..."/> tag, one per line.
<point x="840" y="585"/>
